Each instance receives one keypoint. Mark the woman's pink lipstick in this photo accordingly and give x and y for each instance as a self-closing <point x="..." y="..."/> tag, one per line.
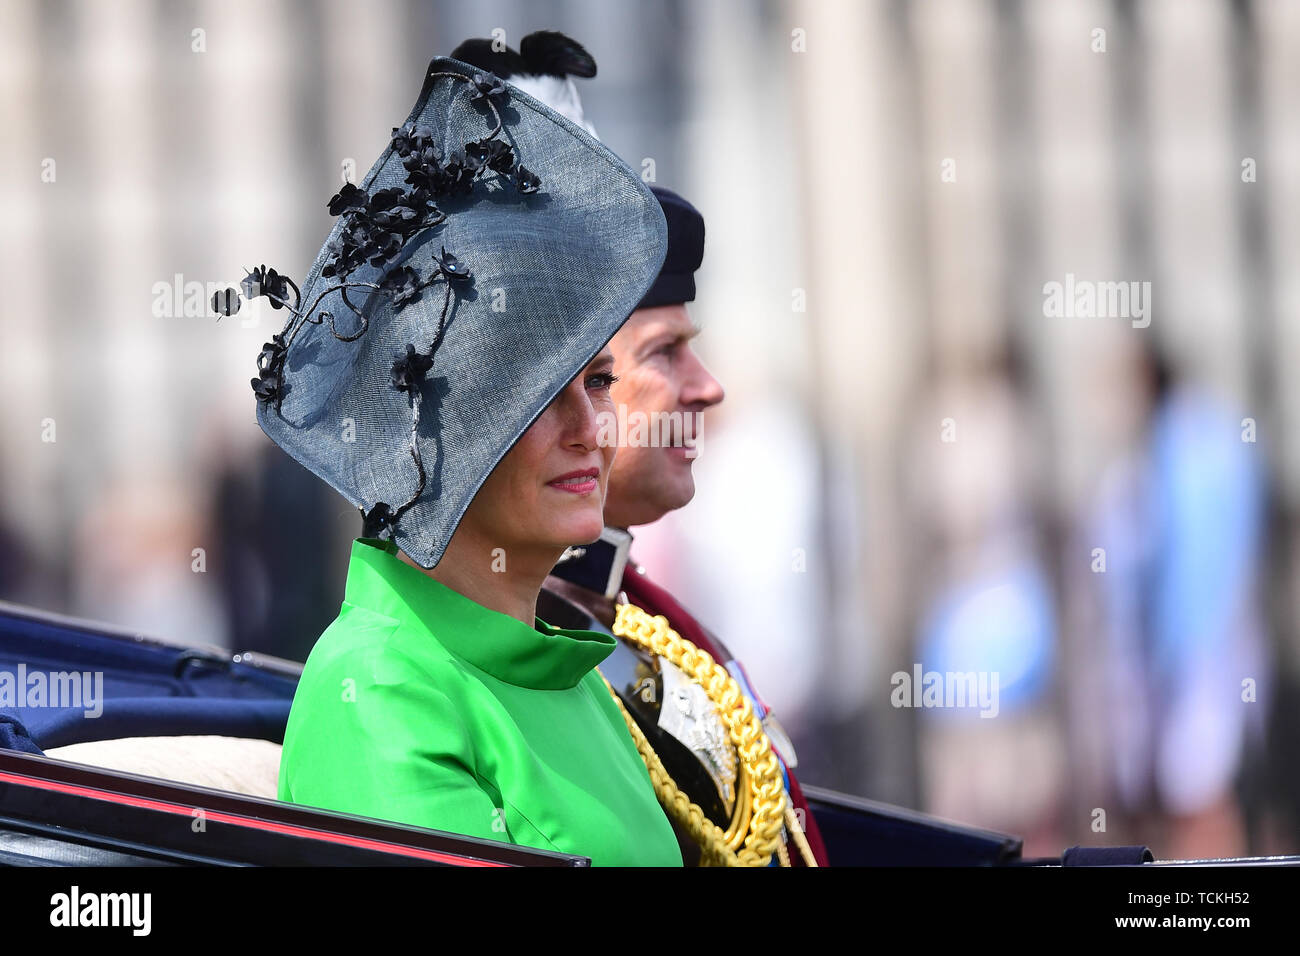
<point x="577" y="482"/>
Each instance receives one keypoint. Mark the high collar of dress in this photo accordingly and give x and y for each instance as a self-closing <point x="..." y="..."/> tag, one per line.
<point x="541" y="657"/>
<point x="597" y="567"/>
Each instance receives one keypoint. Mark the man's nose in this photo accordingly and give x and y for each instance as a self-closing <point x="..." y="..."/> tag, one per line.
<point x="701" y="388"/>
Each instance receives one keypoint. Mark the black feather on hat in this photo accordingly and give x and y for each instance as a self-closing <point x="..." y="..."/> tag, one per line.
<point x="542" y="67"/>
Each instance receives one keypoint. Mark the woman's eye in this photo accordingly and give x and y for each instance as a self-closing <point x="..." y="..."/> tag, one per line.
<point x="601" y="380"/>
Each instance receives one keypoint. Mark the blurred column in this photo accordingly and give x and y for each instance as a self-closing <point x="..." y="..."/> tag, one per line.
<point x="863" y="179"/>
<point x="29" y="367"/>
<point x="1088" y="398"/>
<point x="1194" y="181"/>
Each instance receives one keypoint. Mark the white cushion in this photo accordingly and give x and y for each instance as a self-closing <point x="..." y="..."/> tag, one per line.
<point x="237" y="764"/>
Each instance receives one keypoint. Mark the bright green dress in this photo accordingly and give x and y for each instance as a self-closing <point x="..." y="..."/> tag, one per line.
<point x="421" y="706"/>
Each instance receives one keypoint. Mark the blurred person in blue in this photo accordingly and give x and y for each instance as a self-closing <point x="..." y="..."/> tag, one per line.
<point x="987" y="629"/>
<point x="1185" y="673"/>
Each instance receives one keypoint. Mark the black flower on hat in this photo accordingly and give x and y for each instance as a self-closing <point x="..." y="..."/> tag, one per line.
<point x="458" y="175"/>
<point x="408" y="138"/>
<point x="346" y="198"/>
<point x="270" y="370"/>
<point x="491" y="153"/>
<point x="403" y="284"/>
<point x="225" y="302"/>
<point x="401" y="141"/>
<point x="526" y="180"/>
<point x="378" y="520"/>
<point x="374" y="230"/>
<point x="267" y="385"/>
<point x="423" y="168"/>
<point x="384" y="199"/>
<point x="409" y="369"/>
<point x="401" y="219"/>
<point x="263" y="281"/>
<point x="452" y="268"/>
<point x="487" y="86"/>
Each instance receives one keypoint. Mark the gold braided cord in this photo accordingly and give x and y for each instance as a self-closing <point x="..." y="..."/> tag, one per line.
<point x="713" y="844"/>
<point x="801" y="841"/>
<point x="755" y="830"/>
<point x="743" y="811"/>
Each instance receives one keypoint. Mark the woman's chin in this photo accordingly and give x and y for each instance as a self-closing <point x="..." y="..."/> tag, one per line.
<point x="581" y="531"/>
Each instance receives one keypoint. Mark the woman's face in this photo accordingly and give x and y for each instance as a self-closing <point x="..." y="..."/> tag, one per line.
<point x="549" y="489"/>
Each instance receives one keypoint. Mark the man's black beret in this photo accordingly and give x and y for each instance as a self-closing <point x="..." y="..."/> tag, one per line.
<point x="676" y="281"/>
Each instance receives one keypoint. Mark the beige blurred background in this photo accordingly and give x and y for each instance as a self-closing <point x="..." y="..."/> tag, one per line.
<point x="918" y="463"/>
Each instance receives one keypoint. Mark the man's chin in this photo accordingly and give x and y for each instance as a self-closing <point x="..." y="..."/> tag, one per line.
<point x="650" y="507"/>
<point x="679" y="493"/>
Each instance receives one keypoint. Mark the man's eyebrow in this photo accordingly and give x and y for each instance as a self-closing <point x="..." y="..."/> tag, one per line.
<point x="687" y="334"/>
<point x="674" y="336"/>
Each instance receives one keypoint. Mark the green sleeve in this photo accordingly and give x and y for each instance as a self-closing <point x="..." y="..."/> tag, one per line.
<point x="371" y="734"/>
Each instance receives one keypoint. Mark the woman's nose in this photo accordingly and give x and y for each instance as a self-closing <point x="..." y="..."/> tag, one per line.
<point x="579" y="415"/>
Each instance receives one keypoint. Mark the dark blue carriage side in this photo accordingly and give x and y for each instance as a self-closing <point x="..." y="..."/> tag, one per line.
<point x="150" y="688"/>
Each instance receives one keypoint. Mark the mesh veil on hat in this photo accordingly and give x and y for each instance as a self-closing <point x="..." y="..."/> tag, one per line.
<point x="458" y="293"/>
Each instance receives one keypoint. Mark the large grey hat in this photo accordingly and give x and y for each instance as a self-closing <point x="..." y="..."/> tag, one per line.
<point x="456" y="296"/>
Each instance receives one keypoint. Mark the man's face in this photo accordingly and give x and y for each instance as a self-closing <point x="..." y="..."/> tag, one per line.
<point x="659" y="374"/>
